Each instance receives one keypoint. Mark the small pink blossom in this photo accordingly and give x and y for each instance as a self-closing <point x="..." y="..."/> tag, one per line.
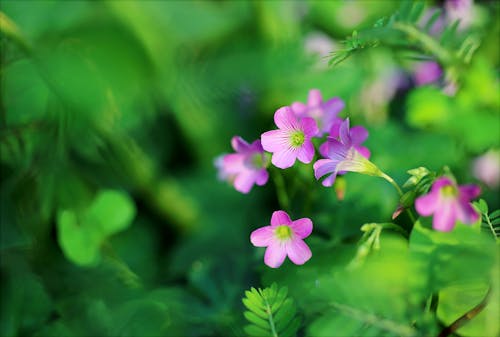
<point x="357" y="133"/>
<point x="292" y="140"/>
<point x="449" y="203"/>
<point x="244" y="168"/>
<point x="427" y="73"/>
<point x="324" y="113"/>
<point x="343" y="156"/>
<point x="487" y="168"/>
<point x="284" y="237"/>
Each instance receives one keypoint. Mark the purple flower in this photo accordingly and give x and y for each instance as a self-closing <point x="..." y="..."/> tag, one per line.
<point x="358" y="135"/>
<point x="284" y="237"/>
<point x="324" y="113"/>
<point x="292" y="140"/>
<point x="244" y="168"/>
<point x="427" y="73"/>
<point x="449" y="203"/>
<point x="487" y="168"/>
<point x="343" y="156"/>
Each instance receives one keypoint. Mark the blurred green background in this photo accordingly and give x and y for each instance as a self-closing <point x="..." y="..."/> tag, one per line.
<point x="112" y="219"/>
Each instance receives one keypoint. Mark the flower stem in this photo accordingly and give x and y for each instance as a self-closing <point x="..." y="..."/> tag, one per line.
<point x="400" y="192"/>
<point x="281" y="193"/>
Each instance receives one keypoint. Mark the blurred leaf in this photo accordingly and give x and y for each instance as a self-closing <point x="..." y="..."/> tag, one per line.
<point x="25" y="304"/>
<point x="82" y="234"/>
<point x="458" y="299"/>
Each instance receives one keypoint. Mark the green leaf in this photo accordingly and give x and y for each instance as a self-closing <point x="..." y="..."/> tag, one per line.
<point x="271" y="312"/>
<point x="257" y="320"/>
<point x="459" y="299"/>
<point x="482" y="206"/>
<point x="81" y="234"/>
<point x="253" y="330"/>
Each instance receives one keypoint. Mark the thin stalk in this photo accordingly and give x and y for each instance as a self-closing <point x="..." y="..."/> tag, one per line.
<point x="490" y="225"/>
<point x="396" y="186"/>
<point x="426" y="41"/>
<point x="281" y="193"/>
<point x="270" y="318"/>
<point x="459" y="322"/>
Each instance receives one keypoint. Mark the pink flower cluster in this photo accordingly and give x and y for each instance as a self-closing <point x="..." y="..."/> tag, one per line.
<point x="297" y="125"/>
<point x="342" y="151"/>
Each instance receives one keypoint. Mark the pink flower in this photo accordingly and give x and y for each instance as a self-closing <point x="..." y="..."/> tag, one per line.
<point x="487" y="168"/>
<point x="292" y="140"/>
<point x="343" y="156"/>
<point x="358" y="135"/>
<point x="427" y="73"/>
<point x="324" y="113"/>
<point x="284" y="237"/>
<point x="244" y="168"/>
<point x="449" y="203"/>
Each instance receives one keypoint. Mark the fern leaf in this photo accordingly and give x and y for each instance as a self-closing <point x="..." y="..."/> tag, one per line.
<point x="417" y="11"/>
<point x="270" y="312"/>
<point x="430" y="23"/>
<point x="489" y="221"/>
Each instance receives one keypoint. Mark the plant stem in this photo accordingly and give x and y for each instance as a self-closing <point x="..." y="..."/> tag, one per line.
<point x="396" y="186"/>
<point x="281" y="193"/>
<point x="490" y="225"/>
<point x="459" y="322"/>
<point x="270" y="317"/>
<point x="426" y="41"/>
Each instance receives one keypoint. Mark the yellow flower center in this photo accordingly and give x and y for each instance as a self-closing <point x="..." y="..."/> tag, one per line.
<point x="283" y="232"/>
<point x="297" y="138"/>
<point x="449" y="191"/>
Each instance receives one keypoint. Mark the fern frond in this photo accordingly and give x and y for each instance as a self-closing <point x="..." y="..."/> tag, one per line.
<point x="489" y="221"/>
<point x="403" y="31"/>
<point x="270" y="312"/>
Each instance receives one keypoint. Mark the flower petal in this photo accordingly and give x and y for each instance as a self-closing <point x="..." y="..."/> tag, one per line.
<point x="284" y="159"/>
<point x="314" y="99"/>
<point x="324" y="166"/>
<point x="345" y="138"/>
<point x="336" y="150"/>
<point x="299" y="109"/>
<point x="239" y="144"/>
<point x="244" y="181"/>
<point x="233" y="163"/>
<point x="469" y="192"/>
<point x="280" y="218"/>
<point x="256" y="146"/>
<point x="445" y="217"/>
<point x="363" y="151"/>
<point x="427" y="204"/>
<point x="333" y="106"/>
<point x="358" y="134"/>
<point x="323" y="149"/>
<point x="441" y="182"/>
<point x="309" y="126"/>
<point x="306" y="152"/>
<point x="275" y="255"/>
<point x="275" y="140"/>
<point x="262" y="237"/>
<point x="261" y="177"/>
<point x="328" y="181"/>
<point x="285" y="119"/>
<point x="298" y="251"/>
<point x="466" y="213"/>
<point x="302" y="227"/>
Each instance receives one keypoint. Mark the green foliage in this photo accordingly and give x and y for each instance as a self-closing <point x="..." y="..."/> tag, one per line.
<point x="81" y="233"/>
<point x="401" y="31"/>
<point x="489" y="221"/>
<point x="270" y="312"/>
